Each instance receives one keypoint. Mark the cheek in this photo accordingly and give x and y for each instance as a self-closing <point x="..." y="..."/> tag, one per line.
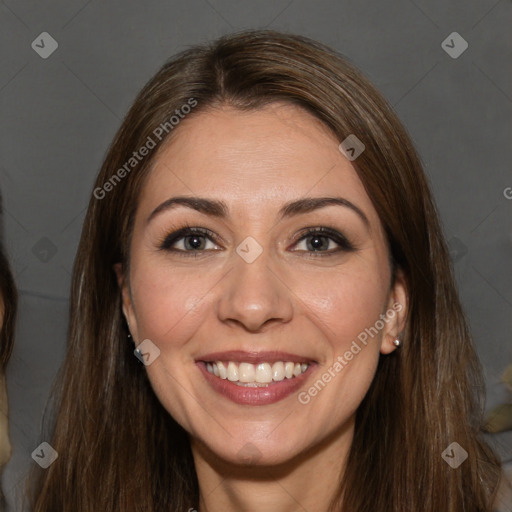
<point x="344" y="308"/>
<point x="169" y="301"/>
<point x="344" y="303"/>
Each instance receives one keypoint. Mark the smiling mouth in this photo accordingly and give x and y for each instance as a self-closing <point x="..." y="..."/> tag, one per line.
<point x="255" y="378"/>
<point x="255" y="375"/>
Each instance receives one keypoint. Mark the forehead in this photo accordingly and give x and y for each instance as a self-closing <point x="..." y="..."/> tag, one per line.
<point x="268" y="156"/>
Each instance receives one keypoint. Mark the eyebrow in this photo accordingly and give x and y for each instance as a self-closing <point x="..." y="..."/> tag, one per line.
<point x="220" y="210"/>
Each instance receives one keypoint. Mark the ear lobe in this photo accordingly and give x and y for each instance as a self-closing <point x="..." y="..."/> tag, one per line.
<point x="397" y="306"/>
<point x="401" y="295"/>
<point x="126" y="302"/>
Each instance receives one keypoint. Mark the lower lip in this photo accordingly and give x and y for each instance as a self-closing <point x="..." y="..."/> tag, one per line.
<point x="245" y="395"/>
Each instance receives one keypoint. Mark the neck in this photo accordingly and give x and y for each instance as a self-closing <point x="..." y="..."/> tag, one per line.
<point x="307" y="482"/>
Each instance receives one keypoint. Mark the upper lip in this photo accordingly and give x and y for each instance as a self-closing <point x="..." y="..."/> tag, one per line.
<point x="254" y="357"/>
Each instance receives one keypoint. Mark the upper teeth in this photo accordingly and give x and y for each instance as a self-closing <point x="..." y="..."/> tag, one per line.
<point x="262" y="373"/>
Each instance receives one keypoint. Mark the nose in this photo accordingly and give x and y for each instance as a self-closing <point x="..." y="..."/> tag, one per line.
<point x="254" y="295"/>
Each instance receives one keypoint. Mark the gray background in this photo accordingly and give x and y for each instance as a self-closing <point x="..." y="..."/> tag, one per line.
<point x="59" y="114"/>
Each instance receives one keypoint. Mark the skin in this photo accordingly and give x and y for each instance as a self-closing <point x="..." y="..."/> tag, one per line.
<point x="290" y="298"/>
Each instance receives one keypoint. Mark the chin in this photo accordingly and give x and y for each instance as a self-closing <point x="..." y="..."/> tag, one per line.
<point x="246" y="448"/>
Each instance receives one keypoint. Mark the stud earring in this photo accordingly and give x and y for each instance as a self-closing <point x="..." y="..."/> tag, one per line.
<point x="396" y="342"/>
<point x="127" y="325"/>
<point x="129" y="333"/>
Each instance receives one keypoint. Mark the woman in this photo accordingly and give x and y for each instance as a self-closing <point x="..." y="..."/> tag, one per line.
<point x="8" y="305"/>
<point x="263" y="232"/>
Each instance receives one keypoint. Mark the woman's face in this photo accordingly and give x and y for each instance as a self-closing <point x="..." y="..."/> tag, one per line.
<point x="255" y="291"/>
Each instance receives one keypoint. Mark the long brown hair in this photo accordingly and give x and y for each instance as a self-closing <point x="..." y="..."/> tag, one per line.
<point x="120" y="450"/>
<point x="8" y="305"/>
<point x="8" y="309"/>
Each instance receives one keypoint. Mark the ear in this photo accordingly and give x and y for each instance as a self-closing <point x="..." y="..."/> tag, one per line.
<point x="126" y="300"/>
<point x="396" y="313"/>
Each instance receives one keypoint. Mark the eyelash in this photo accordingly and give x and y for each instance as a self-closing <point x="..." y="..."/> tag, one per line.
<point x="169" y="240"/>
